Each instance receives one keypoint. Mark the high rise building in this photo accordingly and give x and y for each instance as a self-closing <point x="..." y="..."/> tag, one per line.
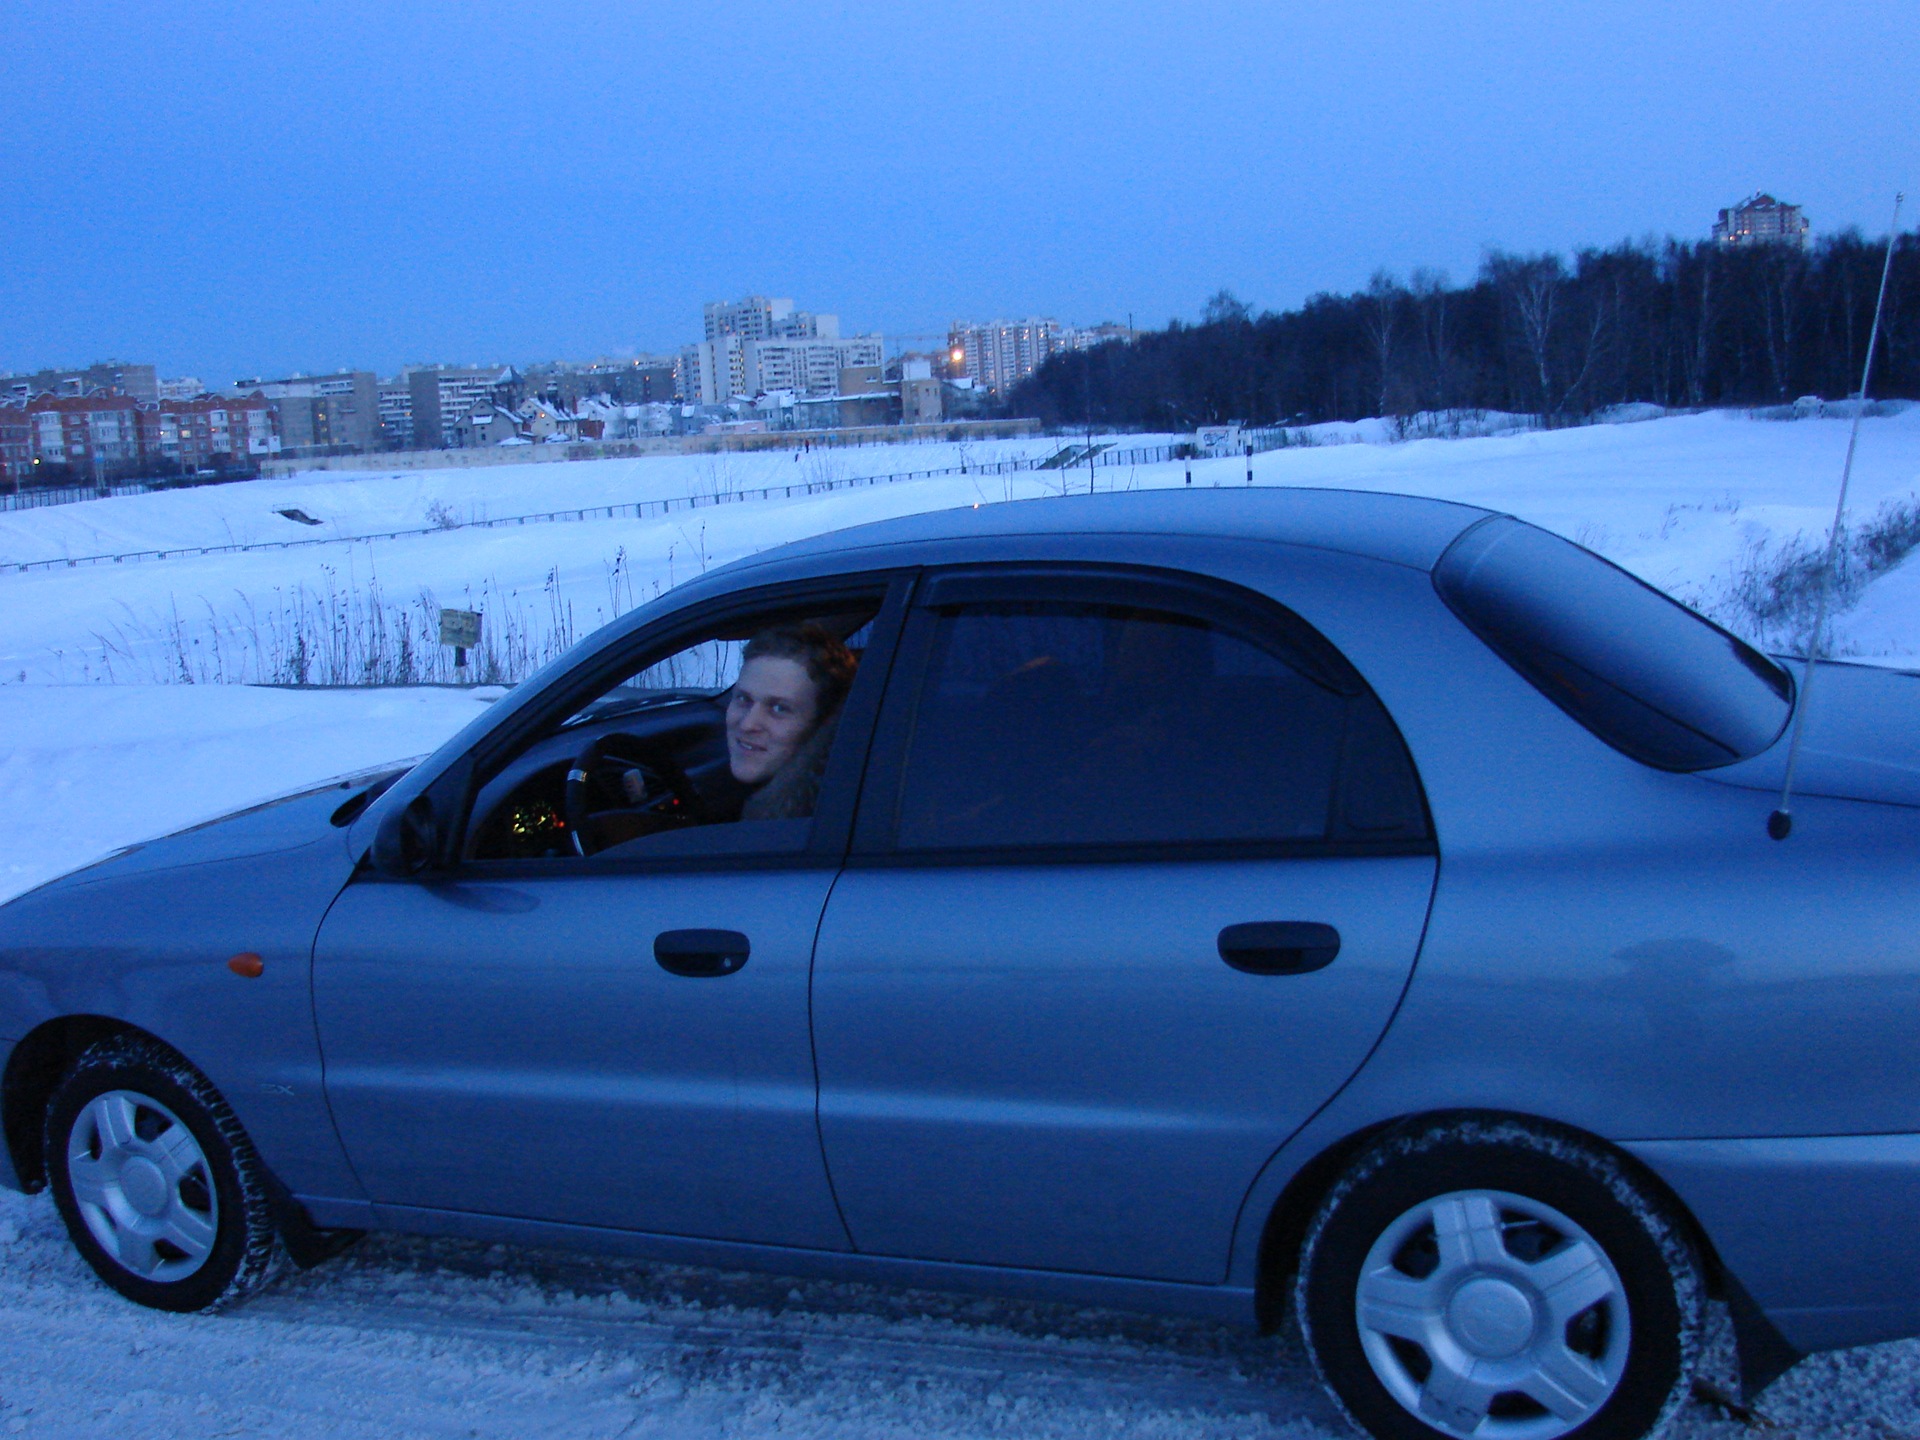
<point x="760" y="318"/>
<point x="395" y="399"/>
<point x="806" y="367"/>
<point x="1762" y="220"/>
<point x="731" y="366"/>
<point x="1001" y="353"/>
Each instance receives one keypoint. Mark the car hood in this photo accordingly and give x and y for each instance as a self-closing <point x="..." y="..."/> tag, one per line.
<point x="1862" y="739"/>
<point x="284" y="822"/>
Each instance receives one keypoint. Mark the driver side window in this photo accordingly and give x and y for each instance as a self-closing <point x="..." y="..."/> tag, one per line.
<point x="717" y="742"/>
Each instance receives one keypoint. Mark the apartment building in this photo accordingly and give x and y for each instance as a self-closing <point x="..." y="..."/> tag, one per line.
<point x="1000" y="353"/>
<point x="104" y="436"/>
<point x="640" y="380"/>
<point x="325" y="412"/>
<point x="94" y="436"/>
<point x="1762" y="220"/>
<point x="141" y="382"/>
<point x="395" y="400"/>
<point x="806" y="367"/>
<point x="1086" y="337"/>
<point x="759" y="317"/>
<point x="16" y="442"/>
<point x="214" y="431"/>
<point x="731" y="366"/>
<point x="441" y="396"/>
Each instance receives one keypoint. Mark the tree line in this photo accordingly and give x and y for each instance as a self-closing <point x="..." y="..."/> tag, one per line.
<point x="1675" y="323"/>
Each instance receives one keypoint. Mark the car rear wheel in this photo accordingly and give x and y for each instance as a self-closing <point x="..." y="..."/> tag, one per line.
<point x="1499" y="1280"/>
<point x="157" y="1183"/>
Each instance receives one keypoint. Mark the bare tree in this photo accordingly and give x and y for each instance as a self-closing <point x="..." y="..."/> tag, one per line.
<point x="1433" y="330"/>
<point x="1703" y="326"/>
<point x="1783" y="284"/>
<point x="1529" y="288"/>
<point x="1380" y="316"/>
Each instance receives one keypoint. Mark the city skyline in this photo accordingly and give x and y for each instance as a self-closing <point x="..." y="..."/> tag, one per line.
<point x="260" y="190"/>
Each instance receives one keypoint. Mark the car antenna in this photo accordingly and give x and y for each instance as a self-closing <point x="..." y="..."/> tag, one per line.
<point x="1780" y="822"/>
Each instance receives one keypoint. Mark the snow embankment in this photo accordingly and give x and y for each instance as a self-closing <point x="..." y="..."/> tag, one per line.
<point x="351" y="503"/>
<point x="1700" y="505"/>
<point x="85" y="769"/>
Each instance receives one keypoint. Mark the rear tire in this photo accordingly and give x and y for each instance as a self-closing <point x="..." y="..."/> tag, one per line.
<point x="159" y="1187"/>
<point x="1500" y="1280"/>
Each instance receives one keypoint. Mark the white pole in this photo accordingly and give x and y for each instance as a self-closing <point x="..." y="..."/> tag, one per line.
<point x="1780" y="822"/>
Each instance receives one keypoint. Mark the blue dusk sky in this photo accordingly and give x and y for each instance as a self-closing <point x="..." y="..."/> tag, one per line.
<point x="251" y="189"/>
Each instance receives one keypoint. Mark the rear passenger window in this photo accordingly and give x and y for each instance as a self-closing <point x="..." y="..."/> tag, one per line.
<point x="1056" y="724"/>
<point x="1641" y="671"/>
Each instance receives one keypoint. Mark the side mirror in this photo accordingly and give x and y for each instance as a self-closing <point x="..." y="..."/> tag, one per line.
<point x="408" y="840"/>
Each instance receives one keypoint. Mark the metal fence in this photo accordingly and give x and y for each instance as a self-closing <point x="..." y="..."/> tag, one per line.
<point x="68" y="495"/>
<point x="1105" y="458"/>
<point x="637" y="509"/>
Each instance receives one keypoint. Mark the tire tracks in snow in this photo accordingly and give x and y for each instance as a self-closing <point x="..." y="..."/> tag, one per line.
<point x="829" y="1343"/>
<point x="445" y="1340"/>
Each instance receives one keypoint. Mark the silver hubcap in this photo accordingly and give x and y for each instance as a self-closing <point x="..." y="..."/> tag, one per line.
<point x="143" y="1185"/>
<point x="1492" y="1315"/>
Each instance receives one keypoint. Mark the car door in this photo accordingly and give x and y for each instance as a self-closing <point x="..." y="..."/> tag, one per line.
<point x="618" y="1039"/>
<point x="1141" y="872"/>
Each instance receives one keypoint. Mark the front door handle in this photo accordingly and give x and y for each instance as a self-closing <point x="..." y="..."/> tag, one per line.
<point x="1279" y="947"/>
<point x="700" y="953"/>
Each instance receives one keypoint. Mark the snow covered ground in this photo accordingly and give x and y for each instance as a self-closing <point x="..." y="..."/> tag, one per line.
<point x="441" y="1339"/>
<point x="85" y="769"/>
<point x="1684" y="501"/>
<point x="405" y="1339"/>
<point x="360" y="502"/>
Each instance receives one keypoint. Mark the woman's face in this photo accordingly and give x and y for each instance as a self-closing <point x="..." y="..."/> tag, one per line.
<point x="769" y="716"/>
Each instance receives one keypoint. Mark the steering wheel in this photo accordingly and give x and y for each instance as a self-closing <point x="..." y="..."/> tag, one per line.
<point x="668" y="789"/>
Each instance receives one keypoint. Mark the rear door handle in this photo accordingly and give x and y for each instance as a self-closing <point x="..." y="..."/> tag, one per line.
<point x="701" y="953"/>
<point x="1279" y="947"/>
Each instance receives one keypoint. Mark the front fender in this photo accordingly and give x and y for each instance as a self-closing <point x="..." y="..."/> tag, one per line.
<point x="143" y="941"/>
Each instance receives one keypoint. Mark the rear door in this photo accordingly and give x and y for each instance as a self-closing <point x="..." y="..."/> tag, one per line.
<point x="1141" y="871"/>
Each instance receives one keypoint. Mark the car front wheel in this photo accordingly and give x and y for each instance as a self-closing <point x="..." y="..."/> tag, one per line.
<point x="1499" y="1280"/>
<point x="157" y="1183"/>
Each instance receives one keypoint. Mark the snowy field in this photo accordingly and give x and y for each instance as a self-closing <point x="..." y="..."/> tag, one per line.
<point x="441" y="1339"/>
<point x="1691" y="503"/>
<point x="436" y="1340"/>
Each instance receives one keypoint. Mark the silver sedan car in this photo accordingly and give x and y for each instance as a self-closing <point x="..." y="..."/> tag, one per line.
<point x="1343" y="907"/>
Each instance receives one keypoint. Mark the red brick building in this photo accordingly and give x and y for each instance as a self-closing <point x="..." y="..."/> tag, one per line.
<point x="102" y="437"/>
<point x="16" y="444"/>
<point x="214" y="431"/>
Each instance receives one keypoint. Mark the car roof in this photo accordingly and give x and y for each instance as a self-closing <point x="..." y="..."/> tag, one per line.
<point x="1403" y="529"/>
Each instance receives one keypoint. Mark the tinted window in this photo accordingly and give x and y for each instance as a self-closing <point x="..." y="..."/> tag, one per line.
<point x="1638" y="669"/>
<point x="1061" y="724"/>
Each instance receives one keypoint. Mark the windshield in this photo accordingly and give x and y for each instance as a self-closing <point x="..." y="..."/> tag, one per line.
<point x="1638" y="669"/>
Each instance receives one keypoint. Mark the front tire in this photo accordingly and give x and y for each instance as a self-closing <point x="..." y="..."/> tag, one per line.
<point x="1503" y="1281"/>
<point x="158" y="1185"/>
